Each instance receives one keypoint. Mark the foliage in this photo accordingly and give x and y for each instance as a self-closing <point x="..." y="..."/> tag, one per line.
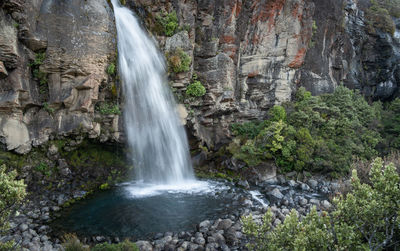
<point x="380" y="12"/>
<point x="38" y="74"/>
<point x="104" y="186"/>
<point x="391" y="125"/>
<point x="365" y="219"/>
<point x="111" y="69"/>
<point x="179" y="61"/>
<point x="47" y="107"/>
<point x="72" y="243"/>
<point x="196" y="89"/>
<point x="43" y="168"/>
<point x="314" y="133"/>
<point x="122" y="246"/>
<point x="168" y="22"/>
<point x="12" y="193"/>
<point x="108" y="108"/>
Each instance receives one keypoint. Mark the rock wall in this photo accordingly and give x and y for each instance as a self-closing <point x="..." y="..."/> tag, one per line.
<point x="54" y="96"/>
<point x="249" y="55"/>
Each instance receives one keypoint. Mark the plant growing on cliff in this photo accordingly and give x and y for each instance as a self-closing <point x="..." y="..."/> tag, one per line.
<point x="111" y="69"/>
<point x="367" y="218"/>
<point x="12" y="193"/>
<point x="179" y="61"/>
<point x="168" y="23"/>
<point x="109" y="108"/>
<point x="38" y="74"/>
<point x="379" y="16"/>
<point x="196" y="89"/>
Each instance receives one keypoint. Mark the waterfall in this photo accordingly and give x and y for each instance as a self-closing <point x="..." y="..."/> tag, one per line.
<point x="154" y="132"/>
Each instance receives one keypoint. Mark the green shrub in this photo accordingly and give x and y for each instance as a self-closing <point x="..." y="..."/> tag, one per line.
<point x="123" y="246"/>
<point x="196" y="89"/>
<point x="38" y="74"/>
<point x="43" y="168"/>
<point x="111" y="69"/>
<point x="366" y="219"/>
<point x="168" y="22"/>
<point x="313" y="133"/>
<point x="12" y="193"/>
<point x="179" y="61"/>
<point x="47" y="107"/>
<point x="391" y="125"/>
<point x="379" y="15"/>
<point x="108" y="108"/>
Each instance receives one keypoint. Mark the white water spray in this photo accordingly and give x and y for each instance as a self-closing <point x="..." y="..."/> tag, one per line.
<point x="158" y="140"/>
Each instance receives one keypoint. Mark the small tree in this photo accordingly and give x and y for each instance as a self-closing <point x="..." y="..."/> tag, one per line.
<point x="12" y="192"/>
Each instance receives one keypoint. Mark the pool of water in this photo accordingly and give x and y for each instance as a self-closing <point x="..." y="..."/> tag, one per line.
<point x="139" y="210"/>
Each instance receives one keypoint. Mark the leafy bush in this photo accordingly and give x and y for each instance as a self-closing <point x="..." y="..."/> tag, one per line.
<point x="108" y="108"/>
<point x="47" y="107"/>
<point x="43" y="168"/>
<point x="38" y="74"/>
<point x="123" y="246"/>
<point x="12" y="193"/>
<point x="391" y="125"/>
<point x="196" y="89"/>
<point x="111" y="69"/>
<point x="379" y="15"/>
<point x="179" y="61"/>
<point x="319" y="133"/>
<point x="366" y="219"/>
<point x="168" y="22"/>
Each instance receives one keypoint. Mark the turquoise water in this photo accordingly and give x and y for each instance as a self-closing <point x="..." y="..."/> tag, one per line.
<point x="119" y="213"/>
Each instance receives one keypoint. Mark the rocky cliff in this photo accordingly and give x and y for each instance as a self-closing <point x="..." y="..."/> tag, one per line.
<point x="57" y="77"/>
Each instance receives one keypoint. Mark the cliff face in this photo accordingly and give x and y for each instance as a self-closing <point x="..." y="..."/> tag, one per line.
<point x="249" y="55"/>
<point x="54" y="54"/>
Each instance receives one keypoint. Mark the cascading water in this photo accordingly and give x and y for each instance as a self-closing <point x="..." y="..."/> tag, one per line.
<point x="158" y="140"/>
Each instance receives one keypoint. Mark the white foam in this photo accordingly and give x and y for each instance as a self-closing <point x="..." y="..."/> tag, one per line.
<point x="140" y="189"/>
<point x="256" y="196"/>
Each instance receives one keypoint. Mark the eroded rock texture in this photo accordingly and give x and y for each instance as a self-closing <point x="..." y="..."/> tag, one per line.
<point x="249" y="55"/>
<point x="78" y="41"/>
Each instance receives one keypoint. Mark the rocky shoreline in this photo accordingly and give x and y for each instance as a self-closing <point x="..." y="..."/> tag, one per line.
<point x="31" y="230"/>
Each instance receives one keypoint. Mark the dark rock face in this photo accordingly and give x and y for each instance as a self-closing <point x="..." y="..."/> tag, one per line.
<point x="78" y="39"/>
<point x="249" y="55"/>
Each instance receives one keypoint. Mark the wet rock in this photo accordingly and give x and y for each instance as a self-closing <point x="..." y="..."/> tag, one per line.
<point x="204" y="224"/>
<point x="292" y="183"/>
<point x="325" y="205"/>
<point x="23" y="227"/>
<point x="304" y="187"/>
<point x="276" y="194"/>
<point x="313" y="183"/>
<point x="144" y="246"/>
<point x="244" y="184"/>
<point x="224" y="224"/>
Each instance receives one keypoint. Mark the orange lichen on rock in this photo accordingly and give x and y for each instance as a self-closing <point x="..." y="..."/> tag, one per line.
<point x="266" y="11"/>
<point x="298" y="59"/>
<point x="252" y="74"/>
<point x="227" y="39"/>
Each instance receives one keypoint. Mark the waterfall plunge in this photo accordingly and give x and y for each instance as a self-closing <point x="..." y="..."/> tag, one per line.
<point x="158" y="140"/>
